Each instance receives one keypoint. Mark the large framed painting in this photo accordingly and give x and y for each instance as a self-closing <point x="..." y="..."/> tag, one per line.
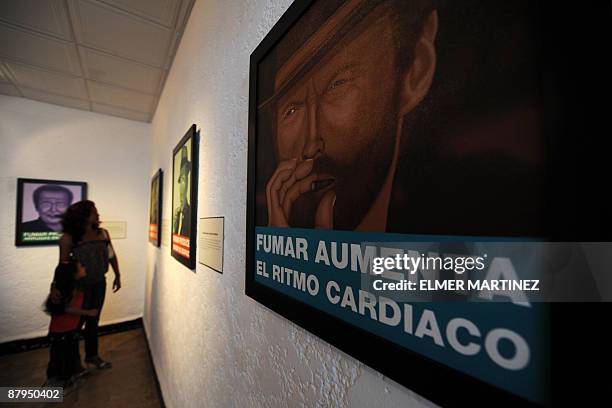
<point x="41" y="205"/>
<point x="387" y="129"/>
<point x="155" y="208"/>
<point x="184" y="199"/>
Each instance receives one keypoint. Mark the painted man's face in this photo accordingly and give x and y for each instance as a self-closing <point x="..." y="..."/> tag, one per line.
<point x="51" y="207"/>
<point x="344" y="115"/>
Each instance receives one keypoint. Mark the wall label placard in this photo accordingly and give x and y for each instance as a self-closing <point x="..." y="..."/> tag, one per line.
<point x="116" y="229"/>
<point x="165" y="231"/>
<point x="210" y="242"/>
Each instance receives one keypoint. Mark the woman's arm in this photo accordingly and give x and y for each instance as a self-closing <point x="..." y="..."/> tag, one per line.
<point x="114" y="263"/>
<point x="65" y="245"/>
<point x="117" y="282"/>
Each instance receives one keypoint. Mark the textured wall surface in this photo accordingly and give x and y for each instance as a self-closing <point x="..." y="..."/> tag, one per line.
<point x="112" y="155"/>
<point x="213" y="346"/>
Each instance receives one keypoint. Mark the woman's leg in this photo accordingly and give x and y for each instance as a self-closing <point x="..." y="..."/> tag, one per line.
<point x="54" y="368"/>
<point x="73" y="361"/>
<point x="66" y="356"/>
<point x="94" y="299"/>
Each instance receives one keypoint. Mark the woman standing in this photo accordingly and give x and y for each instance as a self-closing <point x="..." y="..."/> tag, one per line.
<point x="89" y="245"/>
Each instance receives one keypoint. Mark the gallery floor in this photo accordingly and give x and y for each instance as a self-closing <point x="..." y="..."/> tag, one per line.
<point x="129" y="383"/>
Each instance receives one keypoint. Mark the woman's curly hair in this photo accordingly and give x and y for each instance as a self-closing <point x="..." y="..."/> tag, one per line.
<point x="75" y="219"/>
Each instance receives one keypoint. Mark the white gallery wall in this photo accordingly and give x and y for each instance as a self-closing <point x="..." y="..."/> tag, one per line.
<point x="39" y="140"/>
<point x="211" y="344"/>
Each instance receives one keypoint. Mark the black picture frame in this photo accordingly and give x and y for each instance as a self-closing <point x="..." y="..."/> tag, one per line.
<point x="183" y="224"/>
<point x="155" y="208"/>
<point x="30" y="232"/>
<point x="439" y="383"/>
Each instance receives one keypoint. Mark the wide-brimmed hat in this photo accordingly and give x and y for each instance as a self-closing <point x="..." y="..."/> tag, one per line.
<point x="309" y="40"/>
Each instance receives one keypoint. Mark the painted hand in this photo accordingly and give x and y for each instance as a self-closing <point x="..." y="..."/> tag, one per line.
<point x="290" y="180"/>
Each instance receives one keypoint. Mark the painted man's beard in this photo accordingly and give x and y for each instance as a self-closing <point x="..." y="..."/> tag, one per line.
<point x="356" y="185"/>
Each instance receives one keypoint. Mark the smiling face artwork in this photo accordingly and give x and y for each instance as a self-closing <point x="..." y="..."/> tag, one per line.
<point x="337" y="123"/>
<point x="51" y="206"/>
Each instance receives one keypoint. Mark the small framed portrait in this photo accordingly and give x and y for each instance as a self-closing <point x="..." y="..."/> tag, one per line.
<point x="155" y="208"/>
<point x="184" y="199"/>
<point x="41" y="205"/>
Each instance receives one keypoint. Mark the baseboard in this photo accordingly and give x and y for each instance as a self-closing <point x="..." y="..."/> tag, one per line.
<point x="157" y="384"/>
<point x="18" y="346"/>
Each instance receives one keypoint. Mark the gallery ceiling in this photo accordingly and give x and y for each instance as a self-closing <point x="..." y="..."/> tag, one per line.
<point x="105" y="56"/>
